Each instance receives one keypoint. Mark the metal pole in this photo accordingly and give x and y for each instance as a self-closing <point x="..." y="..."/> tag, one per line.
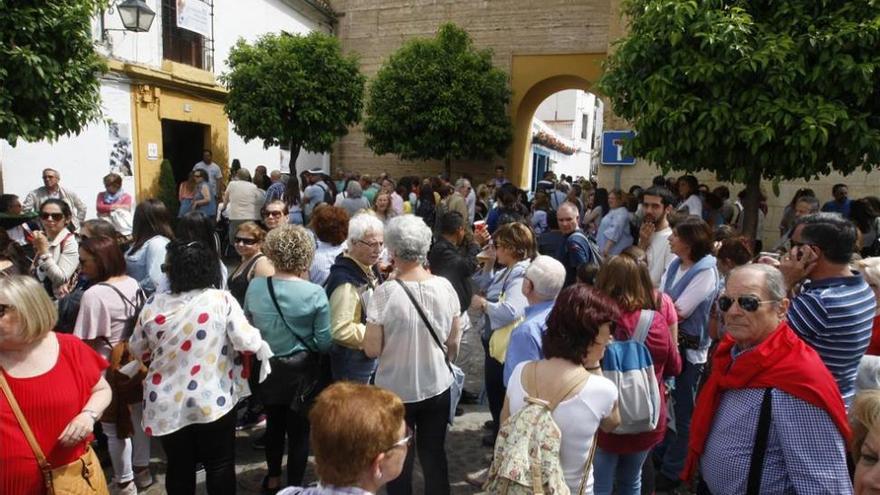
<point x="617" y="173"/>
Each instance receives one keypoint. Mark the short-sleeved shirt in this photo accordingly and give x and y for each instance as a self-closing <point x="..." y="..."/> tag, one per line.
<point x="411" y="364"/>
<point x="103" y="314"/>
<point x="615" y="227"/>
<point x="313" y="195"/>
<point x="578" y="418"/>
<point x="306" y="312"/>
<point x="70" y="382"/>
<point x="192" y="343"/>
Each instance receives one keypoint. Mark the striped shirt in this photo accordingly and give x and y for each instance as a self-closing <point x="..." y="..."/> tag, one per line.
<point x="835" y="316"/>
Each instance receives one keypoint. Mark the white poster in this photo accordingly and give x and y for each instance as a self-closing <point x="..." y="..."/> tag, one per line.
<point x="195" y="16"/>
<point x="120" y="149"/>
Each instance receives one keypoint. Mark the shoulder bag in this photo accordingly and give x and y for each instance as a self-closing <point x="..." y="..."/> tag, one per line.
<point x="457" y="373"/>
<point x="298" y="377"/>
<point x="83" y="476"/>
<point x="500" y="338"/>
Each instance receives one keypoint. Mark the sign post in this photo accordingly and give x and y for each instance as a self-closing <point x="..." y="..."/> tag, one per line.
<point x="612" y="152"/>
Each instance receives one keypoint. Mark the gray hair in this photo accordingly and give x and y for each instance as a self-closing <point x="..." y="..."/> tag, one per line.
<point x="354" y="189"/>
<point x="361" y="225"/>
<point x="462" y="183"/>
<point x="243" y="174"/>
<point x="547" y="276"/>
<point x="812" y="201"/>
<point x="774" y="281"/>
<point x="408" y="238"/>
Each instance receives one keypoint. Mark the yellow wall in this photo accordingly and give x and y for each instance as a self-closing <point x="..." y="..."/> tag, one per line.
<point x="151" y="104"/>
<point x="533" y="78"/>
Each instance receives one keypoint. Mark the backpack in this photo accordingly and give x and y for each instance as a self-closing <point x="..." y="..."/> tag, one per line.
<point x="595" y="256"/>
<point x="629" y="365"/>
<point x="328" y="196"/>
<point x="526" y="459"/>
<point x="126" y="388"/>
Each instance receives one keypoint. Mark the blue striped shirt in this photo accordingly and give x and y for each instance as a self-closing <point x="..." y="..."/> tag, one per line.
<point x="805" y="452"/>
<point x="835" y="316"/>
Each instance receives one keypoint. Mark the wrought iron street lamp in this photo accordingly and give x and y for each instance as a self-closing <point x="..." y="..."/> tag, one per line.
<point x="136" y="15"/>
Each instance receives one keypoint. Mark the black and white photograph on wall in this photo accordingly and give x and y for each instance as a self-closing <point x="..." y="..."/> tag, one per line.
<point x="120" y="149"/>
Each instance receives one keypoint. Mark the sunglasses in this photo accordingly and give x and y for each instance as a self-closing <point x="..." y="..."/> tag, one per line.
<point x="4" y="308"/>
<point x="54" y="216"/>
<point x="274" y="213"/>
<point x="747" y="303"/>
<point x="406" y="440"/>
<point x="47" y="177"/>
<point x="245" y="241"/>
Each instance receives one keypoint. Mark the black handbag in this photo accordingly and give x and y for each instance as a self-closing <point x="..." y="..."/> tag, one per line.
<point x="296" y="378"/>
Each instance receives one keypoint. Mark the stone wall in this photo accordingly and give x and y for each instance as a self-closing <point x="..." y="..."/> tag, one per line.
<point x="376" y="28"/>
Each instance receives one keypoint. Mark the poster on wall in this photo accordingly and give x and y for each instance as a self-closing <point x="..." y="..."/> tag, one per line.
<point x="120" y="149"/>
<point x="195" y="16"/>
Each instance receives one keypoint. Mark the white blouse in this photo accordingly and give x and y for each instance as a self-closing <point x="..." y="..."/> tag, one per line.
<point x="411" y="364"/>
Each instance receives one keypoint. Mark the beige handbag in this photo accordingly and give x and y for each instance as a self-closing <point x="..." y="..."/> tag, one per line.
<point x="83" y="476"/>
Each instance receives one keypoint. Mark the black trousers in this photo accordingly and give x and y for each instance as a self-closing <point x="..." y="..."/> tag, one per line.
<point x="428" y="420"/>
<point x="495" y="390"/>
<point x="281" y="422"/>
<point x="212" y="444"/>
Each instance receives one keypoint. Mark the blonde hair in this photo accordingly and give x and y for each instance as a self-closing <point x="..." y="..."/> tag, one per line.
<point x="864" y="416"/>
<point x="290" y="248"/>
<point x="37" y="313"/>
<point x="870" y="269"/>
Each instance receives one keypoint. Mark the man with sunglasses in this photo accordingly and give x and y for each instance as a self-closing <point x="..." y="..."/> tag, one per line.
<point x="769" y="419"/>
<point x="834" y="309"/>
<point x="51" y="188"/>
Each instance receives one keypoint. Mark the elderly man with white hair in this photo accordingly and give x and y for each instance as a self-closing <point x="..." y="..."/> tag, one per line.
<point x="413" y="353"/>
<point x="543" y="282"/>
<point x="353" y="278"/>
<point x="770" y="418"/>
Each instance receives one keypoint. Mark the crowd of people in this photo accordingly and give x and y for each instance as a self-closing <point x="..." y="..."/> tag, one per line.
<point x="333" y="310"/>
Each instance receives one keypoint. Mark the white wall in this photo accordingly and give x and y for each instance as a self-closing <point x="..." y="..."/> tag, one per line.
<point x="143" y="48"/>
<point x="559" y="106"/>
<point x="82" y="159"/>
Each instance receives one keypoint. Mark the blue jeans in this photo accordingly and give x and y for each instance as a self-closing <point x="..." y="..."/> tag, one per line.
<point x="675" y="444"/>
<point x="623" y="470"/>
<point x="351" y="364"/>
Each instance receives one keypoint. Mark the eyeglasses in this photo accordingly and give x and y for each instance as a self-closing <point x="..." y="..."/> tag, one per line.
<point x="54" y="216"/>
<point x="245" y="241"/>
<point x="406" y="440"/>
<point x="47" y="177"/>
<point x="747" y="303"/>
<point x="274" y="213"/>
<point x="372" y="245"/>
<point x="6" y="307"/>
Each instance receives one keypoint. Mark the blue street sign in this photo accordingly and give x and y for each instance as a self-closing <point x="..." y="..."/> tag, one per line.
<point x="612" y="148"/>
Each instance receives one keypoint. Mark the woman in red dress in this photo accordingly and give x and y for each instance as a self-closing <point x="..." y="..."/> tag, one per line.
<point x="56" y="379"/>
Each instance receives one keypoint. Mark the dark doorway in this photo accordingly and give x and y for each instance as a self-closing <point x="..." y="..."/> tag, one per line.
<point x="182" y="145"/>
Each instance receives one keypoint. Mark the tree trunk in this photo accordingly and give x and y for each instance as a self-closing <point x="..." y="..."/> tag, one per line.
<point x="294" y="154"/>
<point x="448" y="168"/>
<point x="750" y="206"/>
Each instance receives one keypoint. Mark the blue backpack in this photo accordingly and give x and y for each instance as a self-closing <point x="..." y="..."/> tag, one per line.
<point x="629" y="365"/>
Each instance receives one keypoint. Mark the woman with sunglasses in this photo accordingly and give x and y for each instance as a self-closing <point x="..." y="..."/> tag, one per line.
<point x="693" y="283"/>
<point x="359" y="438"/>
<point x="626" y="280"/>
<point x="203" y="200"/>
<point x="274" y="214"/>
<point x="293" y="316"/>
<point x="56" y="249"/>
<point x="248" y="243"/>
<point x="151" y="232"/>
<point x="103" y="321"/>
<point x="191" y="339"/>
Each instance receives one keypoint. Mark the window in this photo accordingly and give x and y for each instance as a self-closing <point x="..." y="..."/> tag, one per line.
<point x="182" y="45"/>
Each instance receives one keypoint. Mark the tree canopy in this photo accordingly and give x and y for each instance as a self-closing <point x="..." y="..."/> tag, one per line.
<point x="439" y="99"/>
<point x="750" y="90"/>
<point x="49" y="69"/>
<point x="296" y="90"/>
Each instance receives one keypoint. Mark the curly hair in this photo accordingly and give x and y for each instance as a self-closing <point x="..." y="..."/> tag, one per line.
<point x="290" y="248"/>
<point x="574" y="321"/>
<point x="408" y="238"/>
<point x="330" y="224"/>
<point x="191" y="265"/>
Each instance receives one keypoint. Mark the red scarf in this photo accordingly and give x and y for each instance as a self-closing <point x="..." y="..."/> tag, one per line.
<point x="783" y="361"/>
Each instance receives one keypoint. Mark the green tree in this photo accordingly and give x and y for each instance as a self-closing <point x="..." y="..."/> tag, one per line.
<point x="439" y="99"/>
<point x="167" y="188"/>
<point x="293" y="90"/>
<point x="49" y="70"/>
<point x="750" y="90"/>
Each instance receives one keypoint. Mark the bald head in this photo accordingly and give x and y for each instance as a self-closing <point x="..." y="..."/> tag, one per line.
<point x="567" y="216"/>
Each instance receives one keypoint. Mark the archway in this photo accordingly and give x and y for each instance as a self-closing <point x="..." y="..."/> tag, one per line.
<point x="533" y="78"/>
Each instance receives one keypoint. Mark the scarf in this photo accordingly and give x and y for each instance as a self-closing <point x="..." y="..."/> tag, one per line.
<point x="782" y="361"/>
<point x="109" y="199"/>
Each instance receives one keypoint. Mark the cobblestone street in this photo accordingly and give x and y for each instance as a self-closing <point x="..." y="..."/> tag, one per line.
<point x="464" y="451"/>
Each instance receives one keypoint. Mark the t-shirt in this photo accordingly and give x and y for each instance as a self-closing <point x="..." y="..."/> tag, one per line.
<point x="411" y="364"/>
<point x="49" y="402"/>
<point x="659" y="254"/>
<point x="313" y="196"/>
<point x="103" y="314"/>
<point x="578" y="418"/>
<point x="693" y="206"/>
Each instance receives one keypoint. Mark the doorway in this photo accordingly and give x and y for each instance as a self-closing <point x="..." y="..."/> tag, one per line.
<point x="182" y="145"/>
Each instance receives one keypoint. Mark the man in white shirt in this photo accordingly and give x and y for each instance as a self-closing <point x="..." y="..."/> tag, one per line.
<point x="52" y="189"/>
<point x="215" y="174"/>
<point x="657" y="203"/>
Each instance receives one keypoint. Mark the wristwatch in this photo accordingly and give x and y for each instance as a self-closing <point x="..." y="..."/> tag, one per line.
<point x="92" y="414"/>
